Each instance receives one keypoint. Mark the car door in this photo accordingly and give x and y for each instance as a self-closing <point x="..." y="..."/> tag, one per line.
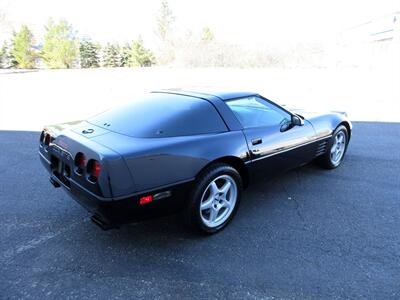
<point x="275" y="143"/>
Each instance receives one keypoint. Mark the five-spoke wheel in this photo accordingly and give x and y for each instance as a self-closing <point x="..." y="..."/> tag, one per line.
<point x="336" y="149"/>
<point x="218" y="200"/>
<point x="215" y="198"/>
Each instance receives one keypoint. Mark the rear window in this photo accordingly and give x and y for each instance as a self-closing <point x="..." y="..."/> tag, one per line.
<point x="162" y="115"/>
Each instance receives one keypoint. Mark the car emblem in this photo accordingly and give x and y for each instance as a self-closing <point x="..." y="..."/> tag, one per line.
<point x="87" y="131"/>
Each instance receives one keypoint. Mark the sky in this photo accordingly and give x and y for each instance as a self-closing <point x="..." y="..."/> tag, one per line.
<point x="239" y="22"/>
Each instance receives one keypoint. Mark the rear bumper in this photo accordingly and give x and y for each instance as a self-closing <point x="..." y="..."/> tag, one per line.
<point x="126" y="209"/>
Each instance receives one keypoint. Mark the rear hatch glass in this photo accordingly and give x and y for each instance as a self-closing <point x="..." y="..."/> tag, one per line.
<point x="162" y="115"/>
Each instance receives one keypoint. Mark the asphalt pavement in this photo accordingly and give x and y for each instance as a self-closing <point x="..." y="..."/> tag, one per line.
<point x="310" y="233"/>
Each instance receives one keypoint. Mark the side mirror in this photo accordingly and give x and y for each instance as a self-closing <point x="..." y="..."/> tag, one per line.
<point x="297" y="121"/>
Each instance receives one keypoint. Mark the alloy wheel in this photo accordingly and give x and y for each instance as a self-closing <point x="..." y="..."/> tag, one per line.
<point x="338" y="147"/>
<point x="218" y="201"/>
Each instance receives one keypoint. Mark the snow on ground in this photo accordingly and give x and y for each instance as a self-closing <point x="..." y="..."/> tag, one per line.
<point x="31" y="99"/>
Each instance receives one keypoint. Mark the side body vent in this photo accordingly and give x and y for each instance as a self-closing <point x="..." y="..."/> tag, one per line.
<point x="321" y="148"/>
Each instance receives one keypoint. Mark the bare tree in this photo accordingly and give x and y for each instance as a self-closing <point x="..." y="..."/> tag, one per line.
<point x="165" y="20"/>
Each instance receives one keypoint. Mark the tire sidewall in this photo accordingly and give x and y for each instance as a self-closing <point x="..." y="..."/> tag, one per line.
<point x="201" y="184"/>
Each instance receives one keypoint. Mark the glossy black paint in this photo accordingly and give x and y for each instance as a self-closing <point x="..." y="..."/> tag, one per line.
<point x="133" y="166"/>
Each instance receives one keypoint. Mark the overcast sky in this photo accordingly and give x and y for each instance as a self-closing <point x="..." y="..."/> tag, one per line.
<point x="249" y="21"/>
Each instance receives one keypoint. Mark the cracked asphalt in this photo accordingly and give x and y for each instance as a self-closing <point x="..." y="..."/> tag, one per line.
<point x="310" y="233"/>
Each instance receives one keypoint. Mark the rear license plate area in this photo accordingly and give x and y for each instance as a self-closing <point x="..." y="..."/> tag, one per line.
<point x="61" y="170"/>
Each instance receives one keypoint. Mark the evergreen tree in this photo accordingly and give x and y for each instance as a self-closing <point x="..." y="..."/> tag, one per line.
<point x="140" y="56"/>
<point x="111" y="56"/>
<point x="22" y="48"/>
<point x="125" y="55"/>
<point x="89" y="54"/>
<point x="60" y="47"/>
<point x="6" y="58"/>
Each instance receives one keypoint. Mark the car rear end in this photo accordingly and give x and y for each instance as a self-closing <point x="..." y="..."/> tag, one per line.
<point x="98" y="177"/>
<point x="84" y="168"/>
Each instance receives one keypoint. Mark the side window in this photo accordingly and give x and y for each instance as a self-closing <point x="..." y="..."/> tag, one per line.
<point x="256" y="112"/>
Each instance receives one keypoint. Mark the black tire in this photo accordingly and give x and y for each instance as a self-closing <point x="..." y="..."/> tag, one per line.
<point x="326" y="161"/>
<point x="193" y="214"/>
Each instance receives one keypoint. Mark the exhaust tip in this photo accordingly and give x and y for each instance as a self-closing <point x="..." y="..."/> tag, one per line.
<point x="54" y="182"/>
<point x="102" y="223"/>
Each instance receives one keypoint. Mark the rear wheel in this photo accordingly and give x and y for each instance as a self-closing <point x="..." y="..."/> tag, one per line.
<point x="215" y="198"/>
<point x="336" y="149"/>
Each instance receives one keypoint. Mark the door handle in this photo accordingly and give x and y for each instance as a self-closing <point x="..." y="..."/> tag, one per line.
<point x="256" y="141"/>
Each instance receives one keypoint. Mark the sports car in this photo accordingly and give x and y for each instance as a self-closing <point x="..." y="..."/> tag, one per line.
<point x="189" y="150"/>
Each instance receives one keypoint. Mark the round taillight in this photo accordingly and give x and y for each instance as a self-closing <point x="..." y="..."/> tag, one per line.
<point x="93" y="170"/>
<point x="80" y="162"/>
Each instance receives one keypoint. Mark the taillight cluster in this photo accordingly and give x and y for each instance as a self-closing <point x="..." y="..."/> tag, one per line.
<point x="92" y="168"/>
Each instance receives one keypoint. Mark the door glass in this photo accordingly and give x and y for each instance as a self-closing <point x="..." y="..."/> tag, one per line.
<point x="256" y="112"/>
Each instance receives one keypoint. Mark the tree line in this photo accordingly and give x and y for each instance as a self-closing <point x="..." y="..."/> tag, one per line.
<point x="61" y="48"/>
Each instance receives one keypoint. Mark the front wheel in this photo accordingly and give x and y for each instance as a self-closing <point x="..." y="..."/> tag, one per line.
<point x="215" y="198"/>
<point x="336" y="149"/>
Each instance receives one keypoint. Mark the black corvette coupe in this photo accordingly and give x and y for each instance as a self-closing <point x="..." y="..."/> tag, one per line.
<point x="188" y="150"/>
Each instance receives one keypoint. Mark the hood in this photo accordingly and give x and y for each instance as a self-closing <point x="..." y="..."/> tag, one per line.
<point x="309" y="114"/>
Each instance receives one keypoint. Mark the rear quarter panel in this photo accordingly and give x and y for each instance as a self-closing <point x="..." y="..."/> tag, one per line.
<point x="156" y="162"/>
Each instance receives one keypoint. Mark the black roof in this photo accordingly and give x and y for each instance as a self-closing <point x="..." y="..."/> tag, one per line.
<point x="207" y="93"/>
